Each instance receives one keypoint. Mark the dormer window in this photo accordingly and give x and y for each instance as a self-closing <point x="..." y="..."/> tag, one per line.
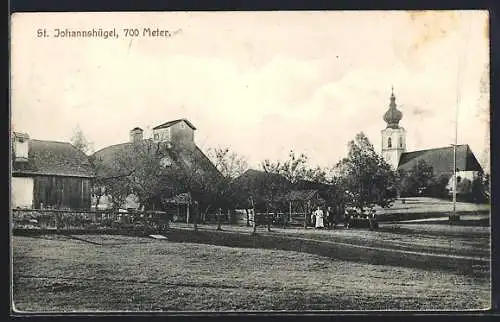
<point x="20" y="146"/>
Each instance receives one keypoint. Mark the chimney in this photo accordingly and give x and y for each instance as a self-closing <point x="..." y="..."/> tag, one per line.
<point x="136" y="134"/>
<point x="20" y="145"/>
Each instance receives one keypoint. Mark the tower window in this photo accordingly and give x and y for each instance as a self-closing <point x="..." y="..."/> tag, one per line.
<point x="400" y="142"/>
<point x="389" y="143"/>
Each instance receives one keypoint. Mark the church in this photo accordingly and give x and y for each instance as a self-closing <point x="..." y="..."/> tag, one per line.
<point x="441" y="159"/>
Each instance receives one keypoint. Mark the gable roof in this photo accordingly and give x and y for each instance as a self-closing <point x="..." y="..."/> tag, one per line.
<point x="441" y="159"/>
<point x="182" y="156"/>
<point x="256" y="178"/>
<point x="56" y="159"/>
<point x="170" y="123"/>
<point x="301" y="195"/>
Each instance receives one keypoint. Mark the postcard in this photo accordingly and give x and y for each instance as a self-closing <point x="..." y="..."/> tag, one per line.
<point x="284" y="161"/>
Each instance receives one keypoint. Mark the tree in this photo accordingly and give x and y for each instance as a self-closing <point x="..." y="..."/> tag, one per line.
<point x="367" y="178"/>
<point x="420" y="180"/>
<point x="80" y="142"/>
<point x="480" y="189"/>
<point x="147" y="171"/>
<point x="295" y="168"/>
<point x="230" y="164"/>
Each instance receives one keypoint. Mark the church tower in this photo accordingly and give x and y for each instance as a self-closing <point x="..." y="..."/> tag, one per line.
<point x="393" y="136"/>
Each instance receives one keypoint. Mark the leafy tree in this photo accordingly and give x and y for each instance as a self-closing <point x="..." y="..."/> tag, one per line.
<point x="367" y="178"/>
<point x="419" y="180"/>
<point x="480" y="189"/>
<point x="147" y="171"/>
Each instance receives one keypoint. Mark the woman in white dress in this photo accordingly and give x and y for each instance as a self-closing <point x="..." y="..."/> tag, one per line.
<point x="319" y="218"/>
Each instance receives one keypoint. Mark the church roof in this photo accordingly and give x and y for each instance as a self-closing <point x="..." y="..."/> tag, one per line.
<point x="170" y="123"/>
<point x="441" y="159"/>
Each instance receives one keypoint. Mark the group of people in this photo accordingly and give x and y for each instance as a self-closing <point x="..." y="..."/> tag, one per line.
<point x="329" y="218"/>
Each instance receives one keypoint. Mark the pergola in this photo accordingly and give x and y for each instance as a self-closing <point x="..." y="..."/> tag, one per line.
<point x="304" y="200"/>
<point x="182" y="199"/>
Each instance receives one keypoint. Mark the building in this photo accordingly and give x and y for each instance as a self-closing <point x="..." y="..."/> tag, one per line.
<point x="441" y="159"/>
<point x="49" y="174"/>
<point x="393" y="136"/>
<point x="174" y="143"/>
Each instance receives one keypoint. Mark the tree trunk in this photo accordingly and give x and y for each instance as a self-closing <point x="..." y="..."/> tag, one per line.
<point x="268" y="222"/>
<point x="248" y="217"/>
<point x="195" y="218"/>
<point x="97" y="200"/>
<point x="306" y="215"/>
<point x="219" y="215"/>
<point x="254" y="228"/>
<point x="205" y="213"/>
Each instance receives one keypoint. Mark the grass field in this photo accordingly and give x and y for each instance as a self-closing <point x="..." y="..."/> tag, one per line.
<point x="431" y="205"/>
<point x="117" y="273"/>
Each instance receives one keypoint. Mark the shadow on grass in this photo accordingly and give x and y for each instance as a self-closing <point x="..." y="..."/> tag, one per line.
<point x="336" y="250"/>
<point x="340" y="251"/>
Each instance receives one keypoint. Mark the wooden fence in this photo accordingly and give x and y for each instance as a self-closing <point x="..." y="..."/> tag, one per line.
<point x="52" y="219"/>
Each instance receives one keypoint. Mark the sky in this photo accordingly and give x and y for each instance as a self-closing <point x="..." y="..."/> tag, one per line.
<point x="260" y="83"/>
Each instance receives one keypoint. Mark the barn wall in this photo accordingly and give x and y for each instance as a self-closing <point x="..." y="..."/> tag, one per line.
<point x="62" y="192"/>
<point x="22" y="192"/>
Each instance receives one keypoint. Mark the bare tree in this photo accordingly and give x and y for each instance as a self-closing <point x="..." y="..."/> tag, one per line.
<point x="230" y="164"/>
<point x="80" y="142"/>
<point x="295" y="168"/>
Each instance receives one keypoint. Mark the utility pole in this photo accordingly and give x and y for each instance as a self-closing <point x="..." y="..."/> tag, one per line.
<point x="454" y="216"/>
<point x="462" y="52"/>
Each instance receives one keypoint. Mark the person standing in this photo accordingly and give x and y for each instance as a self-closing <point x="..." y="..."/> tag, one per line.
<point x="319" y="216"/>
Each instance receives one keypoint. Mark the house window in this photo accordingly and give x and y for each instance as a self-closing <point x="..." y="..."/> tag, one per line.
<point x="156" y="137"/>
<point x="183" y="125"/>
<point x="389" y="143"/>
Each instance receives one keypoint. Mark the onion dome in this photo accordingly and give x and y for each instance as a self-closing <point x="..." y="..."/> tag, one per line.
<point x="393" y="115"/>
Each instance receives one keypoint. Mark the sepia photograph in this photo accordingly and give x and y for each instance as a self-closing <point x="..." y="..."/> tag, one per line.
<point x="271" y="161"/>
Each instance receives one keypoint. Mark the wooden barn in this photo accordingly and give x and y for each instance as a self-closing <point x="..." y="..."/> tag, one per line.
<point x="49" y="174"/>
